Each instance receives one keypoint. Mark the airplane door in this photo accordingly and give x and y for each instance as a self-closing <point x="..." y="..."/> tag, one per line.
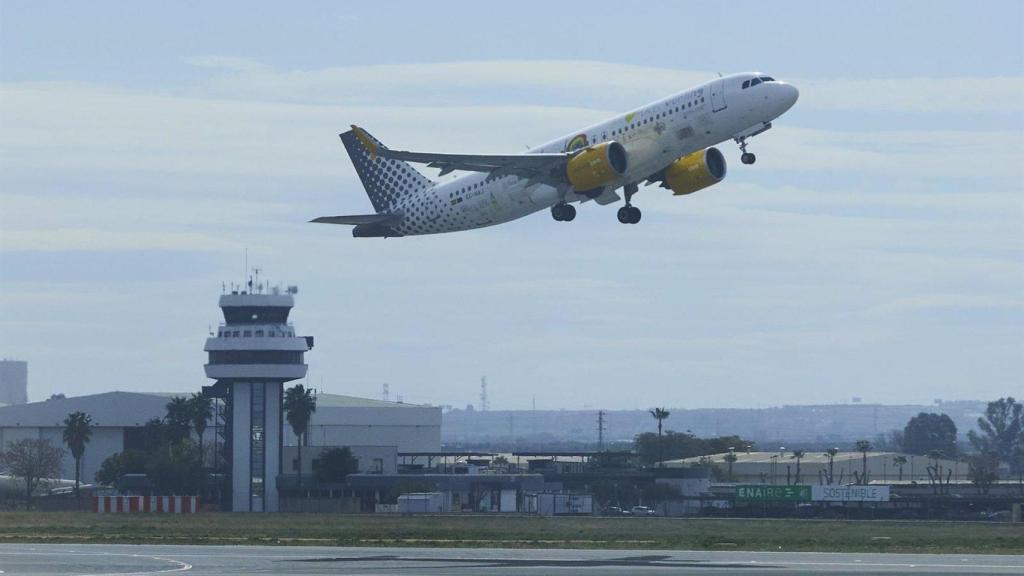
<point x="718" y="95"/>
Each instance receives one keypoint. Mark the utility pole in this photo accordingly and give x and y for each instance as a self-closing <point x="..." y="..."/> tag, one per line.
<point x="600" y="430"/>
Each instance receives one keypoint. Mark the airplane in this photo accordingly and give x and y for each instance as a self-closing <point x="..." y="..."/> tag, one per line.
<point x="669" y="142"/>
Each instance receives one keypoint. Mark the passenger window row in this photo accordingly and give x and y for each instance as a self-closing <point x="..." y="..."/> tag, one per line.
<point x="677" y="109"/>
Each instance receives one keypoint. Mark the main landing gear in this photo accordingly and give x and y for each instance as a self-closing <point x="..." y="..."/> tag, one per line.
<point x="563" y="212"/>
<point x="629" y="214"/>
<point x="746" y="157"/>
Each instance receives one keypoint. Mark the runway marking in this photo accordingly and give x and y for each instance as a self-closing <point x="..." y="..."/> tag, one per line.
<point x="649" y="561"/>
<point x="645" y="561"/>
<point x="180" y="566"/>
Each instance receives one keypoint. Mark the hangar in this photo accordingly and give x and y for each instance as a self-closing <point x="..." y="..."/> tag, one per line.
<point x="389" y="427"/>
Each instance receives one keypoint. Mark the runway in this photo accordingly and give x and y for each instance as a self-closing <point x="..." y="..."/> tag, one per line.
<point x="122" y="560"/>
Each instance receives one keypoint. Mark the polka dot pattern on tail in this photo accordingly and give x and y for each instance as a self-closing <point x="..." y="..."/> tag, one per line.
<point x="387" y="182"/>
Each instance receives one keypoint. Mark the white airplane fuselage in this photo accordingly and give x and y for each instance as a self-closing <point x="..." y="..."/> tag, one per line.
<point x="654" y="136"/>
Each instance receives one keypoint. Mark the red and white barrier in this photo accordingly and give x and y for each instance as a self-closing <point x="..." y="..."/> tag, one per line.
<point x="129" y="504"/>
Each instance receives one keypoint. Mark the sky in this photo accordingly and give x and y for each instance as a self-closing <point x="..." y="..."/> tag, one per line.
<point x="875" y="249"/>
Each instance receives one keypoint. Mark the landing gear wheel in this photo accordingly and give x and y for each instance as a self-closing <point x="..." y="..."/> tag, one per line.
<point x="629" y="215"/>
<point x="746" y="157"/>
<point x="563" y="212"/>
<point x="634" y="215"/>
<point x="624" y="214"/>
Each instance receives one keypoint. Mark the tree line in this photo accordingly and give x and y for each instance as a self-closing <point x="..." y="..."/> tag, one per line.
<point x="997" y="444"/>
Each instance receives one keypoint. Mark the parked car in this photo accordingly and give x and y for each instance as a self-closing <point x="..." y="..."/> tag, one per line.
<point x="643" y="511"/>
<point x="616" y="511"/>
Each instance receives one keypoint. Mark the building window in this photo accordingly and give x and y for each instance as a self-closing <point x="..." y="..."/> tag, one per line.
<point x="257" y="446"/>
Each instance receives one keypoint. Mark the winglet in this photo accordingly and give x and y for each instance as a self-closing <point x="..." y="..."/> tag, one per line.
<point x="367" y="142"/>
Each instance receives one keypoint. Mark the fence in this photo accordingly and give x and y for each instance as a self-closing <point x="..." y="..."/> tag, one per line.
<point x="131" y="504"/>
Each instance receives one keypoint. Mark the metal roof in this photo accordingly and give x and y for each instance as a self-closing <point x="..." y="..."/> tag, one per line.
<point x="341" y="401"/>
<point x="107" y="409"/>
<point x="136" y="408"/>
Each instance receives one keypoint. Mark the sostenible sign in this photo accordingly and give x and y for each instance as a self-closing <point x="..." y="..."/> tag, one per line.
<point x="850" y="493"/>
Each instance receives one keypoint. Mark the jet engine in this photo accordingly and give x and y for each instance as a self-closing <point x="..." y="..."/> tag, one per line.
<point x="596" y="166"/>
<point x="695" y="172"/>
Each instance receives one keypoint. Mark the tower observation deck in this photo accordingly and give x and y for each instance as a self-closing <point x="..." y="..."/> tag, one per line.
<point x="252" y="354"/>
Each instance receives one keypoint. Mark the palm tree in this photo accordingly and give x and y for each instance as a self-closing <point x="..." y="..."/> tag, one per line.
<point x="77" y="433"/>
<point x="730" y="458"/>
<point x="659" y="414"/>
<point x="179" y="417"/>
<point x="798" y="455"/>
<point x="831" y="454"/>
<point x="200" y="411"/>
<point x="899" y="461"/>
<point x="299" y="405"/>
<point x="864" y="446"/>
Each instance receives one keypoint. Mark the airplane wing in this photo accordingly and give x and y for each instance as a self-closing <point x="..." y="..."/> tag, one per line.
<point x="546" y="167"/>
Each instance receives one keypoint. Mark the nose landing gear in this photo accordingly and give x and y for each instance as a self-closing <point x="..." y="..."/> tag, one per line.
<point x="746" y="157"/>
<point x="629" y="214"/>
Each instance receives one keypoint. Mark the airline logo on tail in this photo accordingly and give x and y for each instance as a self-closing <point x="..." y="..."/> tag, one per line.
<point x="366" y="141"/>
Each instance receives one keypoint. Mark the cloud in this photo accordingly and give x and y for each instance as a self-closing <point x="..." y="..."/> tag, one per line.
<point x="929" y="302"/>
<point x="964" y="94"/>
<point x="228" y="63"/>
<point x="88" y="129"/>
<point x="92" y="239"/>
<point x="601" y="84"/>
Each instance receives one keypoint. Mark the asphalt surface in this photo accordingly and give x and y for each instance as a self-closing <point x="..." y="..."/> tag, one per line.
<point x="121" y="560"/>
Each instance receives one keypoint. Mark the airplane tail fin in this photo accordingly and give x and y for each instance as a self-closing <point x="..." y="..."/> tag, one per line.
<point x="385" y="180"/>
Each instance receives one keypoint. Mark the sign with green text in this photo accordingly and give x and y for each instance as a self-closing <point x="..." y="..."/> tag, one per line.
<point x="771" y="493"/>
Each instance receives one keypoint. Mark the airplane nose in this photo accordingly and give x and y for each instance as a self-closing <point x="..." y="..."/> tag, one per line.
<point x="790" y="95"/>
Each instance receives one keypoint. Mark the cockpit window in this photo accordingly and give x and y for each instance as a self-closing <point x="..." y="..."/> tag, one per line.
<point x="755" y="82"/>
<point x="767" y="79"/>
<point x="746" y="84"/>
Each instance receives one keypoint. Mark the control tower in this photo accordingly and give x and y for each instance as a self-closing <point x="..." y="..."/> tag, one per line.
<point x="253" y="353"/>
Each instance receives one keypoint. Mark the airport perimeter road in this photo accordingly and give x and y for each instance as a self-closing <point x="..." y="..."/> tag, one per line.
<point x="109" y="560"/>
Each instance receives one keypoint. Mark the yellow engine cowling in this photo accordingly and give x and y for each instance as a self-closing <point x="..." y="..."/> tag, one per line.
<point x="695" y="171"/>
<point x="596" y="166"/>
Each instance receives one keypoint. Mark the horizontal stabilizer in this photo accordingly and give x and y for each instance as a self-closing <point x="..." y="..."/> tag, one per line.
<point x="358" y="219"/>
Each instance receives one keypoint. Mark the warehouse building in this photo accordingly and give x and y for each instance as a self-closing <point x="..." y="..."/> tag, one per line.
<point x="116" y="416"/>
<point x="351" y="421"/>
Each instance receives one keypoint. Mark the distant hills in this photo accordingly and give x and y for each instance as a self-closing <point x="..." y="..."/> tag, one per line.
<point x="814" y="424"/>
